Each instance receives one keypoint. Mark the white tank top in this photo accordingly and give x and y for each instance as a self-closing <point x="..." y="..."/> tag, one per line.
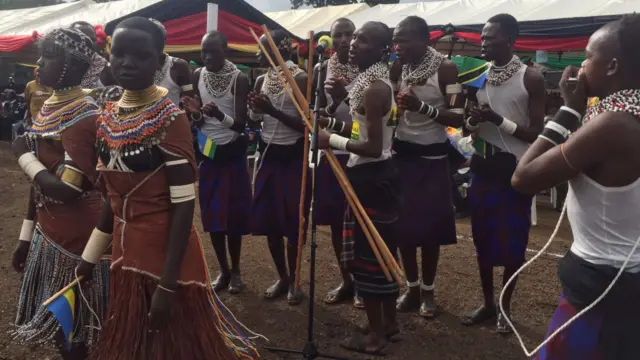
<point x="604" y="221"/>
<point x="509" y="100"/>
<point x="275" y="132"/>
<point x="168" y="83"/>
<point x="342" y="112"/>
<point x="359" y="132"/>
<point x="420" y="129"/>
<point x="212" y="127"/>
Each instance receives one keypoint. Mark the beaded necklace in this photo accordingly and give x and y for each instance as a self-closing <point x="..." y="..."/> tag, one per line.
<point x="499" y="74"/>
<point x="62" y="110"/>
<point x="137" y="122"/>
<point x="346" y="71"/>
<point x="622" y="101"/>
<point x="162" y="72"/>
<point x="429" y="65"/>
<point x="272" y="87"/>
<point x="220" y="82"/>
<point x="375" y="72"/>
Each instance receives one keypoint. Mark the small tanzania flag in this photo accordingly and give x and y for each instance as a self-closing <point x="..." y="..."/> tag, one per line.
<point x="472" y="72"/>
<point x="207" y="146"/>
<point x="63" y="308"/>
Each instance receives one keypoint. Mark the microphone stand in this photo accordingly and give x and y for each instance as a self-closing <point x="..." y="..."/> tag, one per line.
<point x="310" y="350"/>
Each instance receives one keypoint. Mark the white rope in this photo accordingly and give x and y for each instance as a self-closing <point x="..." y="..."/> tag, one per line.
<point x="566" y="324"/>
<point x="99" y="328"/>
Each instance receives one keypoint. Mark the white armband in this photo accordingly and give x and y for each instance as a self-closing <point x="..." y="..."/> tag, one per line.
<point x="453" y="89"/>
<point x="457" y="111"/>
<point x="227" y="121"/>
<point x="30" y="165"/>
<point x="186" y="87"/>
<point x="196" y="119"/>
<point x="563" y="131"/>
<point x="26" y="232"/>
<point x="508" y="126"/>
<point x="338" y="142"/>
<point x="176" y="162"/>
<point x="570" y="110"/>
<point x="182" y="193"/>
<point x="96" y="246"/>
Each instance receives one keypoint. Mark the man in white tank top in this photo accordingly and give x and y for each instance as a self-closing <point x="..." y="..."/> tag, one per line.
<point x="599" y="160"/>
<point x="507" y="114"/>
<point x="375" y="182"/>
<point x="428" y="85"/>
<point x="224" y="185"/>
<point x="173" y="73"/>
<point x="338" y="75"/>
<point x="275" y="209"/>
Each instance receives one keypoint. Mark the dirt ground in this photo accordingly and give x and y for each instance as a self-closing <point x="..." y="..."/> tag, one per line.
<point x="458" y="291"/>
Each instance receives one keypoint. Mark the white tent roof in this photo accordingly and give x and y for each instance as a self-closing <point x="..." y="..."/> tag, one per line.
<point x="471" y="12"/>
<point x="46" y="18"/>
<point x="300" y="22"/>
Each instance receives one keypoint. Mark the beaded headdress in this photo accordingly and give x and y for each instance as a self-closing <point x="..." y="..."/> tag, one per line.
<point x="285" y="44"/>
<point x="73" y="42"/>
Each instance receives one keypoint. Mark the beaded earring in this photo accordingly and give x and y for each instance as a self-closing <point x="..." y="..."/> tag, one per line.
<point x="63" y="74"/>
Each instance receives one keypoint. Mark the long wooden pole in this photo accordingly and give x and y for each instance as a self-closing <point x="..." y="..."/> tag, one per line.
<point x="301" y="100"/>
<point x="305" y="170"/>
<point x="294" y="92"/>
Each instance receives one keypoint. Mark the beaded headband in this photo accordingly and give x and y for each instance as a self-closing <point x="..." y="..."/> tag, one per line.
<point x="285" y="44"/>
<point x="81" y="48"/>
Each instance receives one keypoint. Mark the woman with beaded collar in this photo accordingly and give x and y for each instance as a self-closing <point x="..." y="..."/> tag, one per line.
<point x="508" y="114"/>
<point x="602" y="204"/>
<point x="275" y="209"/>
<point x="339" y="74"/>
<point x="161" y="305"/>
<point x="374" y="178"/>
<point x="430" y="99"/>
<point x="225" y="188"/>
<point x="58" y="155"/>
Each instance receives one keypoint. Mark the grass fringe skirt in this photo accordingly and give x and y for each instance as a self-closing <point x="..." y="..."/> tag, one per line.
<point x="199" y="325"/>
<point x="48" y="269"/>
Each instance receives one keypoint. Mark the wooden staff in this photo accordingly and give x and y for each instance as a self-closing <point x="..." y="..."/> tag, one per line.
<point x="62" y="291"/>
<point x="300" y="98"/>
<point x="374" y="237"/>
<point x="305" y="170"/>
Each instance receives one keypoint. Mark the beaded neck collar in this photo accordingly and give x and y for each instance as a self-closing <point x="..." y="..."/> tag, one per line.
<point x="347" y="72"/>
<point x="429" y="65"/>
<point x="272" y="86"/>
<point x="499" y="74"/>
<point x="378" y="71"/>
<point x="65" y="108"/>
<point x="622" y="101"/>
<point x="219" y="83"/>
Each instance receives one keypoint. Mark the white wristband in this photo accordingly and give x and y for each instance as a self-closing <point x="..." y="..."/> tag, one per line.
<point x="96" y="246"/>
<point x="570" y="110"/>
<point x="182" y="193"/>
<point x="26" y="232"/>
<point x="552" y="125"/>
<point x="30" y="165"/>
<point x="227" y="121"/>
<point x="338" y="142"/>
<point x="508" y="126"/>
<point x="453" y="89"/>
<point x="254" y="116"/>
<point x="187" y="87"/>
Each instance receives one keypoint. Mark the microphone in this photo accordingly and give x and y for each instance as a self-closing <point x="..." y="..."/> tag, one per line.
<point x="324" y="43"/>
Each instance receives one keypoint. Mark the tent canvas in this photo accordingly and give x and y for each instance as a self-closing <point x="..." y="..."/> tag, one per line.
<point x="300" y="22"/>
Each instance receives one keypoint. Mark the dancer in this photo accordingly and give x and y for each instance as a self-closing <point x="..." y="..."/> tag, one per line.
<point x="99" y="74"/>
<point x="428" y="84"/>
<point x="510" y="115"/>
<point x="602" y="203"/>
<point x="275" y="210"/>
<point x="58" y="155"/>
<point x="374" y="179"/>
<point x="35" y="94"/>
<point x="225" y="188"/>
<point x="160" y="303"/>
<point x="173" y="74"/>
<point x="330" y="204"/>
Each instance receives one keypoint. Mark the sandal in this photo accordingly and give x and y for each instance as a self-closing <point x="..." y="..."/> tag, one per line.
<point x="339" y="295"/>
<point x="358" y="303"/>
<point x="502" y="326"/>
<point x="479" y="316"/>
<point x="235" y="284"/>
<point x="392" y="335"/>
<point x="294" y="297"/>
<point x="356" y="343"/>
<point x="221" y="282"/>
<point x="278" y="289"/>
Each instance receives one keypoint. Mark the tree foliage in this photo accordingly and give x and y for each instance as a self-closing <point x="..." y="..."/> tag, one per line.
<point x="321" y="3"/>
